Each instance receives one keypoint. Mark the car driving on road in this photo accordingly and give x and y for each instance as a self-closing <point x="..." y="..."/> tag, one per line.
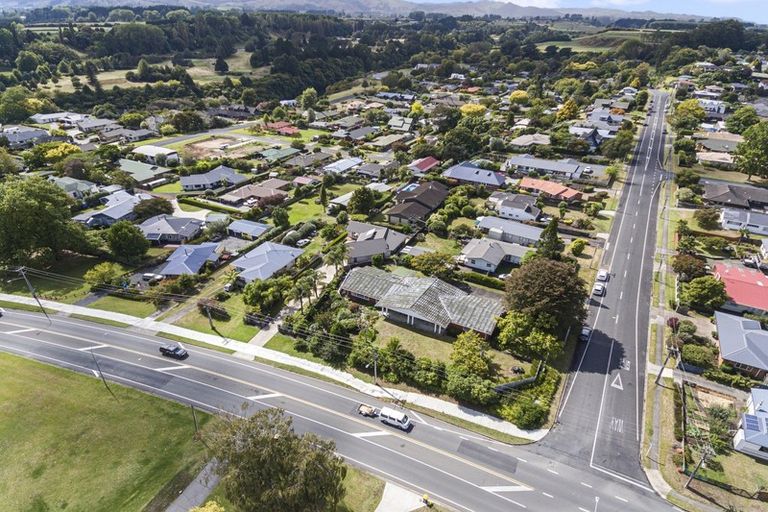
<point x="174" y="351"/>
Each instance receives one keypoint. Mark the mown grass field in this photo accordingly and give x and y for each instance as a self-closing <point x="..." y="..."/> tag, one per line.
<point x="66" y="444"/>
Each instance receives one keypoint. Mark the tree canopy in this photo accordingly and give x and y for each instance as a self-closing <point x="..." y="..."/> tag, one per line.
<point x="752" y="154"/>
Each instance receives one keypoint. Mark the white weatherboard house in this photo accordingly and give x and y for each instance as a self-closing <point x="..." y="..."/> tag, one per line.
<point x="752" y="436"/>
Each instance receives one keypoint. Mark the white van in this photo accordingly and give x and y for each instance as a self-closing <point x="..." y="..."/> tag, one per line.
<point x="395" y="418"/>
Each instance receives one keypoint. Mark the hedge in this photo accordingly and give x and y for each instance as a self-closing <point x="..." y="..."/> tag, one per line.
<point x="482" y="279"/>
<point x="210" y="206"/>
<point x="327" y="247"/>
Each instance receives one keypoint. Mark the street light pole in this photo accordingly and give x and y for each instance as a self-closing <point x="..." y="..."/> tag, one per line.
<point x="375" y="367"/>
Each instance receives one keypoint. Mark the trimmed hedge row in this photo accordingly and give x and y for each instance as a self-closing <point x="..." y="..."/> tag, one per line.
<point x="210" y="206"/>
<point x="482" y="279"/>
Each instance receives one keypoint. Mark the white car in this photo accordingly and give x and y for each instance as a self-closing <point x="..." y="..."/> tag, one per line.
<point x="602" y="275"/>
<point x="598" y="290"/>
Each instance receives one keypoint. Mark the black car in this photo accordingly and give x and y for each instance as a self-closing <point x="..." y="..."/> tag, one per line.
<point x="174" y="351"/>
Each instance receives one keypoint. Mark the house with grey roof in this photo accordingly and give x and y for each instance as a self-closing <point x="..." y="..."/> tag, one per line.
<point x="247" y="229"/>
<point x="118" y="206"/>
<point x="564" y="169"/>
<point x="76" y="189"/>
<point x="509" y="231"/>
<point x="735" y="196"/>
<point x="425" y="303"/>
<point x="469" y="172"/>
<point x="752" y="434"/>
<point x="342" y="166"/>
<point x="142" y="172"/>
<point x="521" y="207"/>
<point x="529" y="140"/>
<point x="189" y="259"/>
<point x="24" y="136"/>
<point x="265" y="261"/>
<point x="743" y="344"/>
<point x="166" y="229"/>
<point x="485" y="254"/>
<point x="272" y="155"/>
<point x="362" y="133"/>
<point x="416" y="202"/>
<point x="95" y="124"/>
<point x="221" y="176"/>
<point x="308" y="160"/>
<point x="154" y="154"/>
<point x="736" y="220"/>
<point x="368" y="240"/>
<point x="400" y="123"/>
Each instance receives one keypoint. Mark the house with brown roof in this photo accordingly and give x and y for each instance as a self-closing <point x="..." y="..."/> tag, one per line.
<point x="550" y="189"/>
<point x="414" y="203"/>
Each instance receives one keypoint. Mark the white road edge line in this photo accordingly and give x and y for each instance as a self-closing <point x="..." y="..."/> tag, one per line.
<point x="95" y="347"/>
<point x="169" y="368"/>
<point x="507" y="488"/>
<point x="19" y="331"/>
<point x="374" y="433"/>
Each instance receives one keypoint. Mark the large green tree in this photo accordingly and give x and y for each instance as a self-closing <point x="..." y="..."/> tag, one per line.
<point x="35" y="221"/>
<point x="742" y="119"/>
<point x="521" y="335"/>
<point x="550" y="245"/>
<point x="266" y="466"/>
<point x="151" y="207"/>
<point x="14" y="107"/>
<point x="752" y="153"/>
<point x="126" y="241"/>
<point x="704" y="293"/>
<point x="545" y="289"/>
<point x="361" y="200"/>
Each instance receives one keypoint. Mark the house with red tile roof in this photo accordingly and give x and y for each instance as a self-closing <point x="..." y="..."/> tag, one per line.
<point x="747" y="288"/>
<point x="550" y="189"/>
<point x="422" y="166"/>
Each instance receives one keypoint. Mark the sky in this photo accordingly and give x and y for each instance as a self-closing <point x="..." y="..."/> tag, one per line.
<point x="748" y="10"/>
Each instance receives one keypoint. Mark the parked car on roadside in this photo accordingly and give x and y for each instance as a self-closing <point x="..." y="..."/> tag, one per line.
<point x="598" y="290"/>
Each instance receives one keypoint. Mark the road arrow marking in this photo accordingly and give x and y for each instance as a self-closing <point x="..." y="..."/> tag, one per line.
<point x="85" y="349"/>
<point x="507" y="488"/>
<point x="167" y="368"/>
<point x="617" y="383"/>
<point x="262" y="397"/>
<point x="375" y="433"/>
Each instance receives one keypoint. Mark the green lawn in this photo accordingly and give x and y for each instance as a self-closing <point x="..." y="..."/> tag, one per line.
<point x="169" y="188"/>
<point x="342" y="188"/>
<point x="363" y="493"/>
<point x="439" y="348"/>
<point x="190" y="208"/>
<point x="68" y="288"/>
<point x="438" y="244"/>
<point x="305" y="210"/>
<point x="67" y="444"/>
<point x="137" y="308"/>
<point x="99" y="320"/>
<point x="233" y="328"/>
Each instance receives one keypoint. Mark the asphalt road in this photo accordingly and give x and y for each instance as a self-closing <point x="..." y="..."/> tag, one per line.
<point x="600" y="419"/>
<point x="456" y="467"/>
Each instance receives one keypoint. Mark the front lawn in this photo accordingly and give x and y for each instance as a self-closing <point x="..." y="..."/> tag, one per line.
<point x="173" y="187"/>
<point x="304" y="210"/>
<point x="66" y="286"/>
<point x="438" y="348"/>
<point x="437" y="244"/>
<point x="66" y="444"/>
<point x="233" y="328"/>
<point x="137" y="308"/>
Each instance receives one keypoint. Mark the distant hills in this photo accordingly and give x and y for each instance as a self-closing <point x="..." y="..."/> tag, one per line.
<point x="371" y="7"/>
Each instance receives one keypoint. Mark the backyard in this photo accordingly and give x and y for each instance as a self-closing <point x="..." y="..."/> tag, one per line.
<point x="67" y="444"/>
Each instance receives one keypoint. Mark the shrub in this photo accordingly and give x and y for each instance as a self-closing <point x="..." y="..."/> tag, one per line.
<point x="686" y="327"/>
<point x="527" y="413"/>
<point x="482" y="279"/>
<point x="697" y="355"/>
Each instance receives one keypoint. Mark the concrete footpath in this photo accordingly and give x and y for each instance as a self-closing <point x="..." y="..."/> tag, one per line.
<point x="249" y="350"/>
<point x="197" y="491"/>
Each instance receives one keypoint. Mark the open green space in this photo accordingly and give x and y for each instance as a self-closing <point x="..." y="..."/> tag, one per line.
<point x="439" y="348"/>
<point x="137" y="308"/>
<point x="173" y="187"/>
<point x="438" y="244"/>
<point x="67" y="444"/>
<point x="304" y="210"/>
<point x="66" y="286"/>
<point x="599" y="42"/>
<point x="363" y="493"/>
<point x="22" y="307"/>
<point x="233" y="328"/>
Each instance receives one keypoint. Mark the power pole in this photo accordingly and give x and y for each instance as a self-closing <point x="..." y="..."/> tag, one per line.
<point x="376" y="366"/>
<point x="706" y="453"/>
<point x="23" y="273"/>
<point x="671" y="352"/>
<point x="101" y="374"/>
<point x="194" y="418"/>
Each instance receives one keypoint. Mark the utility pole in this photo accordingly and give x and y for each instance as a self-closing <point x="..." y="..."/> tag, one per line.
<point x="671" y="352"/>
<point x="376" y="366"/>
<point x="706" y="453"/>
<point x="194" y="418"/>
<point x="101" y="374"/>
<point x="23" y="273"/>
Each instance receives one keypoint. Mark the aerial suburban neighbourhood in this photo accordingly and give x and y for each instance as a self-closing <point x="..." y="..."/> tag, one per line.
<point x="383" y="256"/>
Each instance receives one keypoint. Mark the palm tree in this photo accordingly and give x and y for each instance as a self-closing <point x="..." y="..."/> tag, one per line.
<point x="337" y="256"/>
<point x="316" y="278"/>
<point x="305" y="285"/>
<point x="296" y="293"/>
